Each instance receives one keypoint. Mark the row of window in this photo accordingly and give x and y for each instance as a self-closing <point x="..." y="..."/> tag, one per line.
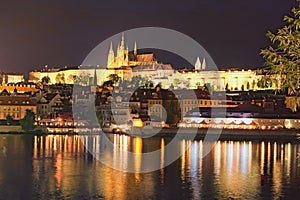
<point x="202" y="102"/>
<point x="14" y="115"/>
<point x="155" y="102"/>
<point x="15" y="102"/>
<point x="44" y="106"/>
<point x="192" y="102"/>
<point x="10" y="109"/>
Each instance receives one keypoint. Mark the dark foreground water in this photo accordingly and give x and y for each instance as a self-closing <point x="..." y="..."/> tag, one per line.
<point x="60" y="167"/>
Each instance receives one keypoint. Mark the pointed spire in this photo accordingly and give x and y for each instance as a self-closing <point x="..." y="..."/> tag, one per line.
<point x="203" y="64"/>
<point x="135" y="50"/>
<point x="95" y="78"/>
<point x="111" y="56"/>
<point x="123" y="36"/>
<point x="111" y="46"/>
<point x="197" y="64"/>
<point x="122" y="42"/>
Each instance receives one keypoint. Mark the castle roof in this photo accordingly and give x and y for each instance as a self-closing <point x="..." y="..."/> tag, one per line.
<point x="16" y="101"/>
<point x="152" y="67"/>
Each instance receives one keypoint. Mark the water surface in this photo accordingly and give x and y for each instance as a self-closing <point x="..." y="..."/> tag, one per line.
<point x="60" y="167"/>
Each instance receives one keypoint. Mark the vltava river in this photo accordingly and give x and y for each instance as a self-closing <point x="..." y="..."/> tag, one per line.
<point x="60" y="167"/>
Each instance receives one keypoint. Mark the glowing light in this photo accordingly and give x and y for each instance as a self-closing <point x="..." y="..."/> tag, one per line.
<point x="137" y="123"/>
<point x="138" y="145"/>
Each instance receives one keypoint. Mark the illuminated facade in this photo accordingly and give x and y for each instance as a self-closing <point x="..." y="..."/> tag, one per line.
<point x="19" y="88"/>
<point x="123" y="58"/>
<point x="127" y="65"/>
<point x="16" y="107"/>
<point x="85" y="76"/>
<point x="11" y="78"/>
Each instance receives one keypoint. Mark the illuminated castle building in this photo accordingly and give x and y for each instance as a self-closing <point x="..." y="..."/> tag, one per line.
<point x="123" y="58"/>
<point x="128" y="65"/>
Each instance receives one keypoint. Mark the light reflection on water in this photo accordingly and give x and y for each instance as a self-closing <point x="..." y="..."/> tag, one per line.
<point x="59" y="167"/>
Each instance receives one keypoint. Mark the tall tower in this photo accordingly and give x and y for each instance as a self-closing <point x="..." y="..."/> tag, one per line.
<point x="122" y="54"/>
<point x="126" y="56"/>
<point x="122" y="42"/>
<point x="197" y="64"/>
<point x="111" y="57"/>
<point x="95" y="78"/>
<point x="94" y="83"/>
<point x="203" y="64"/>
<point x="135" y="51"/>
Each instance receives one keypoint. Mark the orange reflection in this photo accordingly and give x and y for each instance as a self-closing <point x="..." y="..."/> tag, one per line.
<point x="162" y="159"/>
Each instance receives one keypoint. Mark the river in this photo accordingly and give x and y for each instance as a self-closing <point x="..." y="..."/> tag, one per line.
<point x="61" y="167"/>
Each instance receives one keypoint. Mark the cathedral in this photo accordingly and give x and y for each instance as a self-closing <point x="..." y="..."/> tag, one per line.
<point x="123" y="59"/>
<point x="127" y="65"/>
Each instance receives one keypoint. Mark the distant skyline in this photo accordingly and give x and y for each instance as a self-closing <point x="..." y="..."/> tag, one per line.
<point x="62" y="33"/>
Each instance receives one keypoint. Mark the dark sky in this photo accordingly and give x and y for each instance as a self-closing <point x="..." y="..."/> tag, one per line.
<point x="62" y="32"/>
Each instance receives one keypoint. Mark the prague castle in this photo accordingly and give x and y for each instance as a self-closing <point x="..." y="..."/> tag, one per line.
<point x="123" y="58"/>
<point x="128" y="65"/>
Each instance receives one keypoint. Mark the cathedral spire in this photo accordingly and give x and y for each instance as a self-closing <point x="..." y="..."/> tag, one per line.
<point x="111" y="47"/>
<point x="95" y="78"/>
<point x="111" y="56"/>
<point x="122" y="42"/>
<point x="135" y="50"/>
<point x="203" y="64"/>
<point x="197" y="64"/>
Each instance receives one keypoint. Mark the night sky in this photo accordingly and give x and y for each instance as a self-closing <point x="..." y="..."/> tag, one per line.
<point x="62" y="32"/>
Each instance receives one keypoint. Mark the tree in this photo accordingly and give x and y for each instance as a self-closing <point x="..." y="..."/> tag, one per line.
<point x="60" y="78"/>
<point x="282" y="56"/>
<point x="9" y="119"/>
<point x="172" y="108"/>
<point x="176" y="82"/>
<point x="46" y="80"/>
<point x="207" y="87"/>
<point x="227" y="87"/>
<point x="114" y="78"/>
<point x="198" y="84"/>
<point x="27" y="122"/>
<point x="82" y="78"/>
<point x="71" y="79"/>
<point x="248" y="85"/>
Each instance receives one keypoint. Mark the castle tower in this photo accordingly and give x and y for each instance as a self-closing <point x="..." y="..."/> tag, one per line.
<point x="126" y="56"/>
<point x="121" y="58"/>
<point x="197" y="64"/>
<point x="135" y="51"/>
<point x="95" y="78"/>
<point x="122" y="54"/>
<point x="203" y="64"/>
<point x="122" y="42"/>
<point x="111" y="57"/>
<point x="94" y="83"/>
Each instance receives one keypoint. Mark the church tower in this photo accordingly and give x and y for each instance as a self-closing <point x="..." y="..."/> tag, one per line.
<point x="122" y="54"/>
<point x="135" y="51"/>
<point x="126" y="56"/>
<point x="94" y="84"/>
<point x="111" y="57"/>
<point x="197" y="64"/>
<point x="203" y="64"/>
<point x="95" y="78"/>
<point x="121" y="59"/>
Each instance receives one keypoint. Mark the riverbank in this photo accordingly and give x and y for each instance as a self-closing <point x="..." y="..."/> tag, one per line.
<point x="224" y="134"/>
<point x="201" y="133"/>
